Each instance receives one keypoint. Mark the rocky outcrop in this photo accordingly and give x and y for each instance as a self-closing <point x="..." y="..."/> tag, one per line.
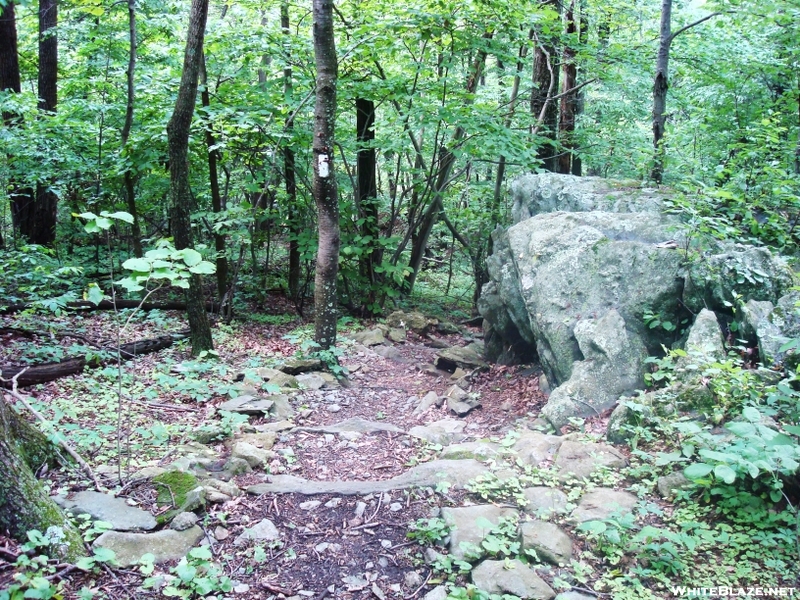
<point x="583" y="273"/>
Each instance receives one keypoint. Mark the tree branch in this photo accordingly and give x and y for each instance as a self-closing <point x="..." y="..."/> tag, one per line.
<point x="690" y="25"/>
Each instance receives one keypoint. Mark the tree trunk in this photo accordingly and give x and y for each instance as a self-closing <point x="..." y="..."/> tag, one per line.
<point x="660" y="87"/>
<point x="325" y="192"/>
<point x="545" y="79"/>
<point x="567" y="105"/>
<point x="21" y="198"/>
<point x="289" y="177"/>
<point x="178" y="141"/>
<point x="367" y="193"/>
<point x="445" y="166"/>
<point x="216" y="197"/>
<point x="129" y="178"/>
<point x="24" y="504"/>
<point x="40" y="228"/>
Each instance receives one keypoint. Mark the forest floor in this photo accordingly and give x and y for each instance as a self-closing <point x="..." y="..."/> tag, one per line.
<point x="338" y="546"/>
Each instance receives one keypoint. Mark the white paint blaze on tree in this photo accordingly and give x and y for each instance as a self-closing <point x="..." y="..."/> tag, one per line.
<point x="325" y="192"/>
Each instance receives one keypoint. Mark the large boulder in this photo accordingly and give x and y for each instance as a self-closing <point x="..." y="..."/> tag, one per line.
<point x="587" y="267"/>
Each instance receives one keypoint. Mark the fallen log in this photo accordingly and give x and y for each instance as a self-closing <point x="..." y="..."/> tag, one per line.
<point x="31" y="375"/>
<point x="9" y="309"/>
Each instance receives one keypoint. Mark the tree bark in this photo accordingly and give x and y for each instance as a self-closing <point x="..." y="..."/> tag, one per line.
<point x="367" y="195"/>
<point x="660" y="87"/>
<point x="180" y="192"/>
<point x="24" y="504"/>
<point x="289" y="175"/>
<point x="325" y="191"/>
<point x="216" y="197"/>
<point x="545" y="79"/>
<point x="568" y="102"/>
<point x="129" y="177"/>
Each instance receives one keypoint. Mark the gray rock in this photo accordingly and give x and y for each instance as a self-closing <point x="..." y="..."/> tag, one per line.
<point x="533" y="447"/>
<point x="549" y="542"/>
<point x="229" y="489"/>
<point x="780" y="326"/>
<point x="603" y="503"/>
<point x="667" y="485"/>
<point x="467" y="358"/>
<point x="704" y="344"/>
<point x="310" y="381"/>
<point x="430" y="400"/>
<point x="281" y="408"/>
<point x="549" y="192"/>
<point x="235" y="466"/>
<point x="613" y="365"/>
<point x="255" y="457"/>
<point x="371" y="337"/>
<point x="463" y="406"/>
<point x="248" y="405"/>
<point x="184" y="521"/>
<point x="482" y="451"/>
<point x="390" y="353"/>
<point x="574" y="596"/>
<point x="397" y="335"/>
<point x="469" y="526"/>
<point x="294" y="366"/>
<point x="437" y="593"/>
<point x="263" y="531"/>
<point x="511" y="577"/>
<point x="283" y="380"/>
<point x="411" y="321"/>
<point x="262" y="439"/>
<point x="544" y="501"/>
<point x="443" y="432"/>
<point x="104" y="507"/>
<point x="165" y="545"/>
<point x="752" y="314"/>
<point x="456" y="473"/>
<point x="581" y="459"/>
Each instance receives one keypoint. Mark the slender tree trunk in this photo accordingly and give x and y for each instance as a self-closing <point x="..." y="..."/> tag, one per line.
<point x="289" y="177"/>
<point x="567" y="105"/>
<point x="545" y="79"/>
<point x="660" y="87"/>
<point x="181" y="195"/>
<point x="445" y="166"/>
<point x="216" y="198"/>
<point x="24" y="504"/>
<point x="128" y="177"/>
<point x="367" y="193"/>
<point x="325" y="192"/>
<point x="21" y="198"/>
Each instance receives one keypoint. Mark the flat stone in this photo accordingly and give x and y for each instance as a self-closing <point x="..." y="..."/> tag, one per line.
<point x="354" y="424"/>
<point x="443" y="432"/>
<point x="602" y="503"/>
<point x="463" y="407"/>
<point x="281" y="408"/>
<point x="164" y="545"/>
<point x="544" y="501"/>
<point x="149" y="472"/>
<point x="283" y="380"/>
<point x="482" y="451"/>
<point x="469" y="526"/>
<point x="429" y="400"/>
<point x="310" y="505"/>
<point x="263" y="531"/>
<point x="548" y="541"/>
<point x="533" y="447"/>
<point x="264" y="440"/>
<point x="412" y="321"/>
<point x="457" y="473"/>
<point x="294" y="366"/>
<point x="390" y="353"/>
<point x="275" y="427"/>
<point x="310" y="381"/>
<point x="581" y="459"/>
<point x="255" y="457"/>
<point x="105" y="507"/>
<point x="397" y="335"/>
<point x="511" y="577"/>
<point x="466" y="358"/>
<point x="224" y="487"/>
<point x="574" y="596"/>
<point x="248" y="405"/>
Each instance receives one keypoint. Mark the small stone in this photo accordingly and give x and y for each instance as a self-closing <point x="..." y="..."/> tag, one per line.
<point x="360" y="508"/>
<point x="184" y="521"/>
<point x="383" y="562"/>
<point x="669" y="484"/>
<point x="333" y="503"/>
<point x="395" y="506"/>
<point x="437" y="593"/>
<point x="548" y="541"/>
<point x="333" y="408"/>
<point x="429" y="400"/>
<point x="309" y="505"/>
<point x="221" y="533"/>
<point x="293" y="366"/>
<point x="603" y="503"/>
<point x="511" y="577"/>
<point x="412" y="579"/>
<point x="263" y="531"/>
<point x="397" y="335"/>
<point x="242" y="588"/>
<point x="255" y="457"/>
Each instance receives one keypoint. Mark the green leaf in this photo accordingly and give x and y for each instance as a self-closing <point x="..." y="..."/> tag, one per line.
<point x="697" y="470"/>
<point x="725" y="473"/>
<point x="140" y="265"/>
<point x="190" y="256"/>
<point x="751" y="414"/>
<point x="94" y="294"/>
<point x="85" y="564"/>
<point x="201" y="552"/>
<point x="120" y="215"/>
<point x="203" y="268"/>
<point x="793" y="429"/>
